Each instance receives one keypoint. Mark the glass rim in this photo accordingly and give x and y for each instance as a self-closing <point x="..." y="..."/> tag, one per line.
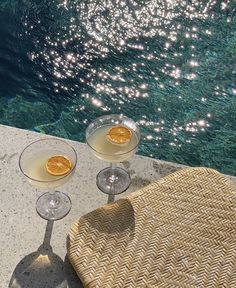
<point x="120" y="154"/>
<point x="47" y="181"/>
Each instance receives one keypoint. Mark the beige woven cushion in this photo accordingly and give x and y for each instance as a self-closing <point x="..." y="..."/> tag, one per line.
<point x="177" y="232"/>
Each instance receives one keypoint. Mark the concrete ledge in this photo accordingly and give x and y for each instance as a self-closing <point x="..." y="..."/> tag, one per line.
<point x="23" y="232"/>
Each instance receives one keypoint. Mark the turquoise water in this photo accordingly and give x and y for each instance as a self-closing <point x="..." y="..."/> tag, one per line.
<point x="170" y="65"/>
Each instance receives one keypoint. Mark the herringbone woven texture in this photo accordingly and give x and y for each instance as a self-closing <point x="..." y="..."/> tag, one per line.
<point x="177" y="232"/>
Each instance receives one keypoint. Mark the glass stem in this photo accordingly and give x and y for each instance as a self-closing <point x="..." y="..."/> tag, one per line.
<point x="113" y="177"/>
<point x="54" y="200"/>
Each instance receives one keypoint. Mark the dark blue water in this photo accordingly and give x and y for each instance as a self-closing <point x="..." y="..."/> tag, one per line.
<point x="170" y="65"/>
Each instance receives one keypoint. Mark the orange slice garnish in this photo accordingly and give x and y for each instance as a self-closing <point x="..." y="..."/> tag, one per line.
<point x="119" y="134"/>
<point x="58" y="165"/>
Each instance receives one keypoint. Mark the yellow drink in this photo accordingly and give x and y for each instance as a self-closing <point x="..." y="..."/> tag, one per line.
<point x="36" y="170"/>
<point x="108" y="151"/>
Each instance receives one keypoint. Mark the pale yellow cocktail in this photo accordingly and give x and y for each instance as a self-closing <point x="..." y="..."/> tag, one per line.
<point x="37" y="171"/>
<point x="108" y="150"/>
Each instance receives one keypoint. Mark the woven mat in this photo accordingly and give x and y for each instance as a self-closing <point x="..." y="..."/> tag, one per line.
<point x="177" y="232"/>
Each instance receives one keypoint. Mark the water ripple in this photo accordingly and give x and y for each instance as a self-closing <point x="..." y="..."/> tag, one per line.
<point x="167" y="64"/>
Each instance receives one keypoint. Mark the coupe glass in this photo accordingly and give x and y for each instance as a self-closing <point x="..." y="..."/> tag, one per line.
<point x="52" y="205"/>
<point x="112" y="180"/>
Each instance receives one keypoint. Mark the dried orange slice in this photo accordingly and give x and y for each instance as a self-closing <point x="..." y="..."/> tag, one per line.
<point x="58" y="165"/>
<point x="119" y="134"/>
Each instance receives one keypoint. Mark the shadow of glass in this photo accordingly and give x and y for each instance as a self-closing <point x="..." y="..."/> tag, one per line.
<point x="41" y="268"/>
<point x="111" y="198"/>
<point x="71" y="276"/>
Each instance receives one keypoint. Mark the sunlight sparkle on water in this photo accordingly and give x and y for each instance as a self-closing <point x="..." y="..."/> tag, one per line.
<point x="106" y="55"/>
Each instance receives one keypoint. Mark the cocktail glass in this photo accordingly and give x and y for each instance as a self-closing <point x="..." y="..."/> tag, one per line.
<point x="112" y="180"/>
<point x="52" y="205"/>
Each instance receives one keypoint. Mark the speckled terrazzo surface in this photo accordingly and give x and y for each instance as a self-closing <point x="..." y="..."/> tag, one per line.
<point x="33" y="251"/>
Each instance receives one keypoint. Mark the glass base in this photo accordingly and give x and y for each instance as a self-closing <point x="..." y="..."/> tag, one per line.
<point x="55" y="211"/>
<point x="113" y="180"/>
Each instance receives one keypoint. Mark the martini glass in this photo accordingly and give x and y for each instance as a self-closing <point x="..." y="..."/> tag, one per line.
<point x="52" y="205"/>
<point x="112" y="180"/>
